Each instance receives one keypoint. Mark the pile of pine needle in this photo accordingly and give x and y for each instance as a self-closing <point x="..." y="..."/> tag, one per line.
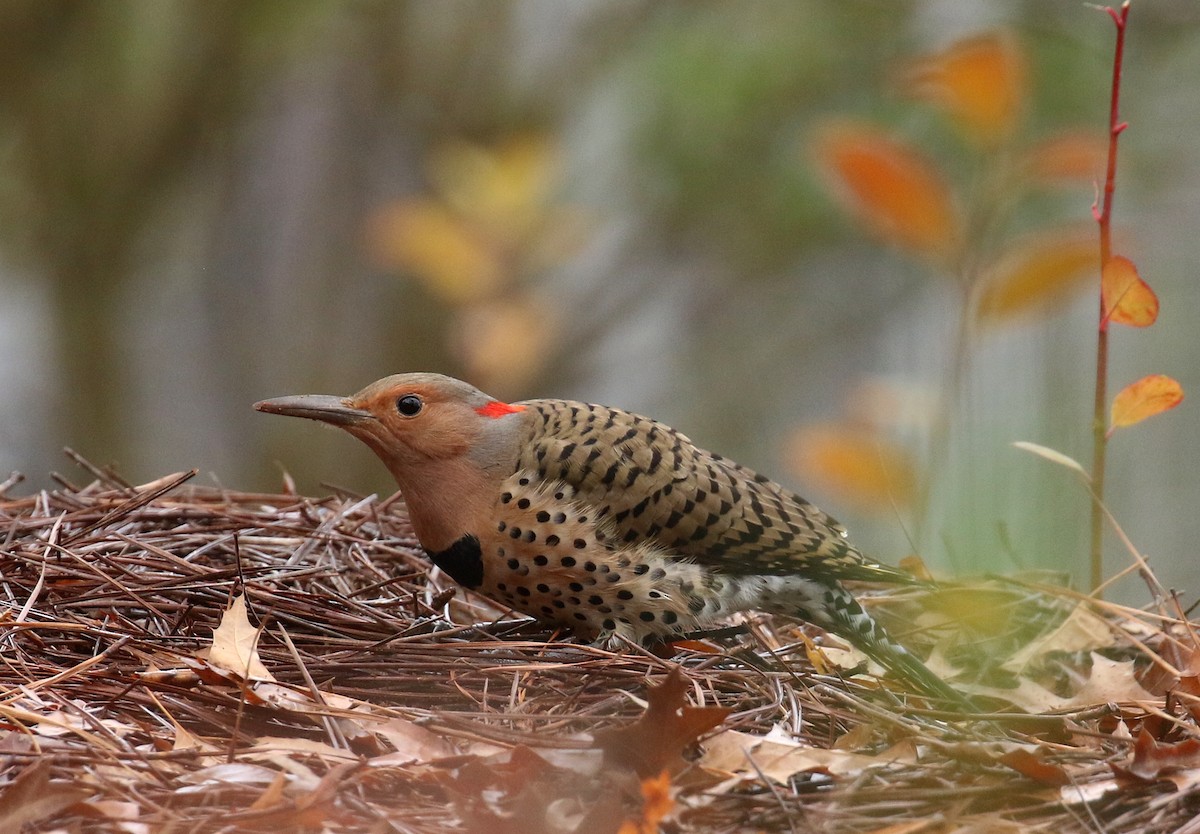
<point x="186" y="659"/>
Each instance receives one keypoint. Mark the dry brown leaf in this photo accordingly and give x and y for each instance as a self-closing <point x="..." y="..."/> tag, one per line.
<point x="235" y="644"/>
<point x="857" y="738"/>
<point x="226" y="773"/>
<point x="272" y="796"/>
<point x="32" y="797"/>
<point x="414" y="743"/>
<point x="657" y="740"/>
<point x="1088" y="792"/>
<point x="1026" y="695"/>
<point x="186" y="740"/>
<point x="1151" y="759"/>
<point x="1035" y="766"/>
<point x="1082" y="630"/>
<point x="266" y="747"/>
<point x="114" y="809"/>
<point x="779" y="757"/>
<point x="1111" y="681"/>
<point x="292" y="698"/>
<point x="309" y="811"/>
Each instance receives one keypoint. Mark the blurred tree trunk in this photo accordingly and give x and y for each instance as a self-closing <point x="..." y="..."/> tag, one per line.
<point x="104" y="105"/>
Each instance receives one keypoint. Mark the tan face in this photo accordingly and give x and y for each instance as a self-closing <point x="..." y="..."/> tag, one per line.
<point x="406" y="419"/>
<point x="413" y="420"/>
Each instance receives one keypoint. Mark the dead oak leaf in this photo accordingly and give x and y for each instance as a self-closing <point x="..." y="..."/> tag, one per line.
<point x="518" y="792"/>
<point x="779" y="757"/>
<point x="1083" y="630"/>
<point x="32" y="797"/>
<point x="1111" y="681"/>
<point x="235" y="644"/>
<point x="1036" y="766"/>
<point x="656" y="741"/>
<point x="1152" y="760"/>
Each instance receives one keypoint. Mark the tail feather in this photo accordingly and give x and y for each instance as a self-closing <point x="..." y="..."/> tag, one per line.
<point x="851" y="621"/>
<point x="825" y="603"/>
<point x="895" y="658"/>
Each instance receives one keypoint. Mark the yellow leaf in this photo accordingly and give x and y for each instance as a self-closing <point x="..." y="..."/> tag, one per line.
<point x="859" y="465"/>
<point x="894" y="189"/>
<point x="1037" y="276"/>
<point x="505" y="189"/>
<point x="1127" y="298"/>
<point x="437" y="247"/>
<point x="979" y="81"/>
<point x="1148" y="396"/>
<point x="235" y="644"/>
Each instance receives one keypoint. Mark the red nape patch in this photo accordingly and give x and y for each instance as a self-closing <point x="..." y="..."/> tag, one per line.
<point x="498" y="409"/>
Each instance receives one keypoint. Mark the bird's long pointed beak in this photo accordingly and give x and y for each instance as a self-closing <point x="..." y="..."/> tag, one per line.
<point x="328" y="409"/>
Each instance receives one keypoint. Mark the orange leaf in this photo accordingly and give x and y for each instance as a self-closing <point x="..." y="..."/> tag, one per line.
<point x="1036" y="767"/>
<point x="1151" y="759"/>
<point x="1127" y="298"/>
<point x="504" y="343"/>
<point x="1038" y="276"/>
<point x="1148" y="396"/>
<point x="859" y="465"/>
<point x="1074" y="155"/>
<point x="656" y="804"/>
<point x="656" y="741"/>
<point x="979" y="81"/>
<point x="892" y="187"/>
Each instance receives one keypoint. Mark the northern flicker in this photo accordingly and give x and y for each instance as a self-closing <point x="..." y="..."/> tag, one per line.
<point x="605" y="521"/>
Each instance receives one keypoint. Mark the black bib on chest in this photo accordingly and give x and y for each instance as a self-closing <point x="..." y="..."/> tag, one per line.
<point x="463" y="560"/>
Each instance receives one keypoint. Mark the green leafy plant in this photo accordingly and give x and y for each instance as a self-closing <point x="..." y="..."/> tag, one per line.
<point x="963" y="231"/>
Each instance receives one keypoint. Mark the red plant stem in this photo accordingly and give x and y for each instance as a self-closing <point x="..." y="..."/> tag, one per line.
<point x="1103" y="215"/>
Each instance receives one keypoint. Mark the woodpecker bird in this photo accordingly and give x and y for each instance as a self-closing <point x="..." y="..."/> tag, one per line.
<point x="605" y="521"/>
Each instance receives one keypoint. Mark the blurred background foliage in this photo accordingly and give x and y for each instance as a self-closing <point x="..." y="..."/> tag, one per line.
<point x="801" y="232"/>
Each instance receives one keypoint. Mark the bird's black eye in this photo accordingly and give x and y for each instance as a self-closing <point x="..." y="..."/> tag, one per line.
<point x="409" y="405"/>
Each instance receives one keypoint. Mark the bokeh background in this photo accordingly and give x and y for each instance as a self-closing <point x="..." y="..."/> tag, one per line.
<point x="643" y="203"/>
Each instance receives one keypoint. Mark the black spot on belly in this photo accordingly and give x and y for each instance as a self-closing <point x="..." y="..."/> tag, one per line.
<point x="463" y="560"/>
